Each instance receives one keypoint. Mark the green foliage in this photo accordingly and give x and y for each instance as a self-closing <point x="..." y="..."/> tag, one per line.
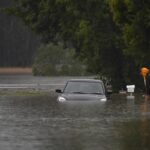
<point x="132" y="17"/>
<point x="134" y="21"/>
<point x="65" y="70"/>
<point x="86" y="25"/>
<point x="53" y="60"/>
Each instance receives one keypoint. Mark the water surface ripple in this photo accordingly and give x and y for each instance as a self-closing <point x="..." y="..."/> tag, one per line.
<point x="41" y="123"/>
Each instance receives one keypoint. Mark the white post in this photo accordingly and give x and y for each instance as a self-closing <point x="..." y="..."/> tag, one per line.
<point x="130" y="90"/>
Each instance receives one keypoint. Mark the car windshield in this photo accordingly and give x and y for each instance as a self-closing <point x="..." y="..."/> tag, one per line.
<point x="82" y="87"/>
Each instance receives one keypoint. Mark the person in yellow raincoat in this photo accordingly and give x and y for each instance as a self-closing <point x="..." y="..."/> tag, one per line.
<point x="146" y="76"/>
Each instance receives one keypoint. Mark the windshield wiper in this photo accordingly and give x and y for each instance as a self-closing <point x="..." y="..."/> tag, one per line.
<point x="96" y="93"/>
<point x="87" y="93"/>
<point x="79" y="92"/>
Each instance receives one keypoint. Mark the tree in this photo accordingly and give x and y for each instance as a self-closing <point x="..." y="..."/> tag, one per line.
<point x="85" y="25"/>
<point x="53" y="59"/>
<point x="133" y="19"/>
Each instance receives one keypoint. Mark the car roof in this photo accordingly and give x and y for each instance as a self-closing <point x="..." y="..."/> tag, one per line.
<point x="85" y="80"/>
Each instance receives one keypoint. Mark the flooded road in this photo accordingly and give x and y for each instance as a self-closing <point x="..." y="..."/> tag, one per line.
<point x="31" y="82"/>
<point x="40" y="123"/>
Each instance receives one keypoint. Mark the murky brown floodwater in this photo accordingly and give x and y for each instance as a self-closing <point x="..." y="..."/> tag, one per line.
<point x="40" y="123"/>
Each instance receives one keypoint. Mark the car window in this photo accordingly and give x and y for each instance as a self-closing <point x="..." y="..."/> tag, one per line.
<point x="84" y="87"/>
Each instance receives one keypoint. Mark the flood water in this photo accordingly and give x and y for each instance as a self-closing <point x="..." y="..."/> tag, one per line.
<point x="41" y="123"/>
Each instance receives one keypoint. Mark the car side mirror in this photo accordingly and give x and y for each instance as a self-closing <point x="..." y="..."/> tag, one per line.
<point x="58" y="91"/>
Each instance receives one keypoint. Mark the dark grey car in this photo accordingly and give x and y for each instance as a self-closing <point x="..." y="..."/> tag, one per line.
<point x="82" y="90"/>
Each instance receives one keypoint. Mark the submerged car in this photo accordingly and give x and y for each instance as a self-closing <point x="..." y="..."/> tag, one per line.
<point x="83" y="90"/>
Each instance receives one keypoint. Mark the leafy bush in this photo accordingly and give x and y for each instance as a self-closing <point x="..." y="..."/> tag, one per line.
<point x="46" y="70"/>
<point x="65" y="70"/>
<point x="52" y="60"/>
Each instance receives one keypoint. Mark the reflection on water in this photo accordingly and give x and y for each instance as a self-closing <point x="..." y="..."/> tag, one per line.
<point x="40" y="123"/>
<point x="135" y="135"/>
<point x="134" y="132"/>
